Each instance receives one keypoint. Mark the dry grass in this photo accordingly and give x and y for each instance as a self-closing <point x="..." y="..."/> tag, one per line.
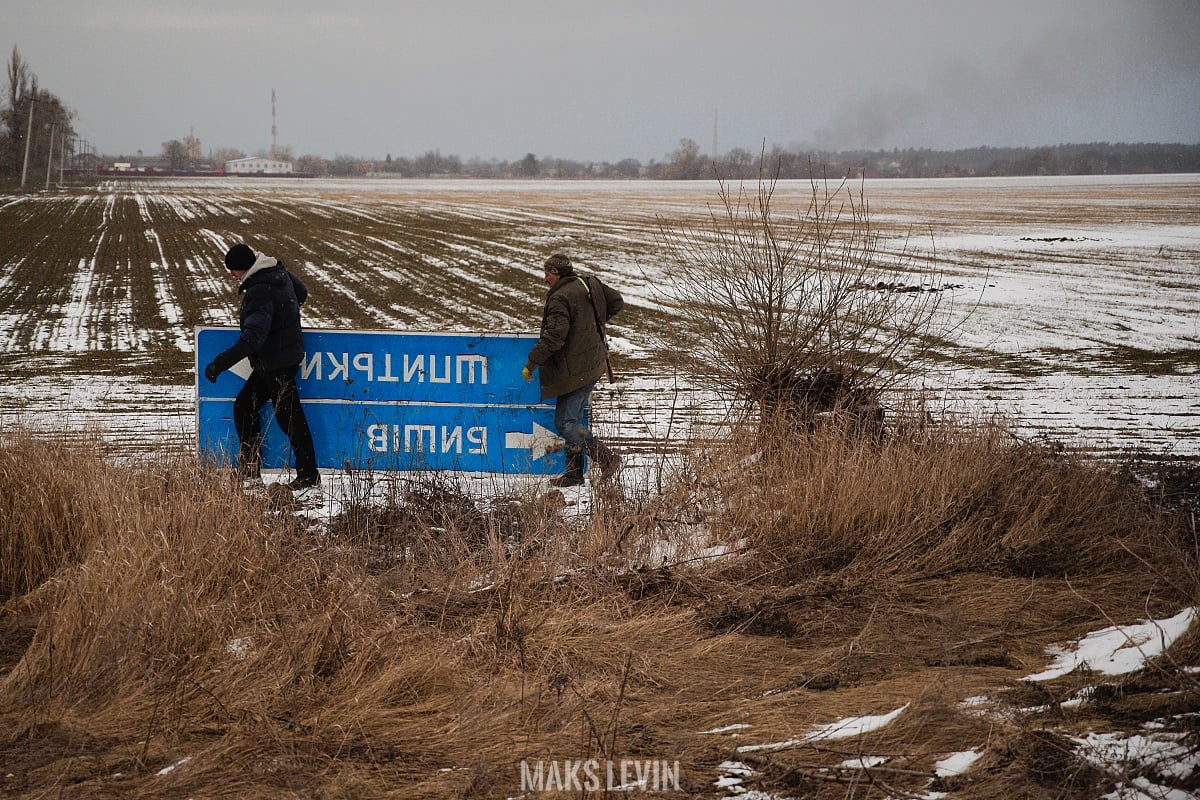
<point x="939" y="499"/>
<point x="422" y="645"/>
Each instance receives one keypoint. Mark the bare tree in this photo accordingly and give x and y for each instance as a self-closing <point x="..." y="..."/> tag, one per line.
<point x="192" y="152"/>
<point x="175" y="153"/>
<point x="528" y="166"/>
<point x="16" y="92"/>
<point x="800" y="316"/>
<point x="312" y="165"/>
<point x="18" y="78"/>
<point x="223" y="154"/>
<point x="686" y="163"/>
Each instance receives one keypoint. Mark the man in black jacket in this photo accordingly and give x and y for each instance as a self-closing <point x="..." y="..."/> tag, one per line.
<point x="272" y="340"/>
<point x="570" y="356"/>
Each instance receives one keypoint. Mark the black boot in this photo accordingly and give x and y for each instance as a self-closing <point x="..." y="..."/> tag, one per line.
<point x="248" y="469"/>
<point x="574" y="474"/>
<point x="303" y="482"/>
<point x="608" y="461"/>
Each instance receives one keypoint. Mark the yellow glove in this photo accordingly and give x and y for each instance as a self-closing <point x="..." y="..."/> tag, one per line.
<point x="527" y="374"/>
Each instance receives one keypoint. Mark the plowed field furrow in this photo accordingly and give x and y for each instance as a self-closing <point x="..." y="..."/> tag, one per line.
<point x="41" y="292"/>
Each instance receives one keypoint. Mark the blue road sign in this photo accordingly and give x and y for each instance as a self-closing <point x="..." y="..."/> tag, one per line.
<point x="398" y="401"/>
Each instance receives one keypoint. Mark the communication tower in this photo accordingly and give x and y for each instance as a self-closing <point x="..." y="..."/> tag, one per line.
<point x="274" y="147"/>
<point x="715" y="158"/>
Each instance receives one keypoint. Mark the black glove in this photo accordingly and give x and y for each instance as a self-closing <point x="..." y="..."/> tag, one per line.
<point x="211" y="372"/>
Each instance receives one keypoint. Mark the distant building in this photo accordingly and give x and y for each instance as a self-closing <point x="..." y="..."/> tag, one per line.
<point x="257" y="166"/>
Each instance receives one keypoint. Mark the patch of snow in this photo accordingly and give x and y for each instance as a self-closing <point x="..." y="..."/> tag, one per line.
<point x="842" y="729"/>
<point x="1143" y="789"/>
<point x="863" y="762"/>
<point x="1165" y="754"/>
<point x="956" y="763"/>
<point x="1079" y="698"/>
<point x="1118" y="650"/>
<point x="240" y="648"/>
<point x="730" y="777"/>
<point x="172" y="768"/>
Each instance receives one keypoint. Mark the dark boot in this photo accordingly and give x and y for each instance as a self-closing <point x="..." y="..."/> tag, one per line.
<point x="248" y="468"/>
<point x="303" y="482"/>
<point x="574" y="474"/>
<point x="608" y="461"/>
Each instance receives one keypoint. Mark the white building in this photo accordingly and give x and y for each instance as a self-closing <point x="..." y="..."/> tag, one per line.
<point x="257" y="166"/>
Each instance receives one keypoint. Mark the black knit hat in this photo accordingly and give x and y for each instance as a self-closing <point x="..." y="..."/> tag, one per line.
<point x="559" y="264"/>
<point x="240" y="257"/>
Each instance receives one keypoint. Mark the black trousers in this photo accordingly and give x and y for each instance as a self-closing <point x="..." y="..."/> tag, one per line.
<point x="277" y="387"/>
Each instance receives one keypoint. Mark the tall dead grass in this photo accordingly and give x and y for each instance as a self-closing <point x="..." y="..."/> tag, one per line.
<point x="932" y="498"/>
<point x="166" y="635"/>
<point x="52" y="506"/>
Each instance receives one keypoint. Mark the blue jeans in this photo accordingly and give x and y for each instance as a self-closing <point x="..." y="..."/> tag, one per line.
<point x="568" y="411"/>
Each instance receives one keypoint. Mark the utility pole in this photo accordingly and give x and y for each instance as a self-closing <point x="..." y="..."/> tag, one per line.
<point x="28" y="136"/>
<point x="50" y="154"/>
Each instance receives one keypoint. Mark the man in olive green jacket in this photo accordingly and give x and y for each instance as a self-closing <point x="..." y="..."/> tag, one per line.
<point x="570" y="356"/>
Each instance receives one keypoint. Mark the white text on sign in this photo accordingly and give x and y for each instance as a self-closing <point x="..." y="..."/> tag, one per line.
<point x="426" y="439"/>
<point x="463" y="368"/>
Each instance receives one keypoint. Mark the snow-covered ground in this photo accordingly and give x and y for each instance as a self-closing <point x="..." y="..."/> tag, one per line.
<point x="1117" y="650"/>
<point x="1077" y="299"/>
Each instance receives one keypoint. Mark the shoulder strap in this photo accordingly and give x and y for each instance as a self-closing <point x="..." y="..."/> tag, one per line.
<point x="599" y="324"/>
<point x="595" y="305"/>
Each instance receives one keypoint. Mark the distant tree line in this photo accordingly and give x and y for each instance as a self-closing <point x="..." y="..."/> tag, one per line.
<point x="688" y="163"/>
<point x="1097" y="158"/>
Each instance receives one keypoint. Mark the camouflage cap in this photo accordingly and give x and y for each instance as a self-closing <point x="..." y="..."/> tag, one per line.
<point x="558" y="264"/>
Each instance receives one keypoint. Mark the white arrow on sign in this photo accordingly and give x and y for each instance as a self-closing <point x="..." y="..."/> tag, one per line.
<point x="540" y="443"/>
<point x="242" y="369"/>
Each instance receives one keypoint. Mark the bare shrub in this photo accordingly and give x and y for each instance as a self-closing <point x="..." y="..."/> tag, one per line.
<point x="804" y="315"/>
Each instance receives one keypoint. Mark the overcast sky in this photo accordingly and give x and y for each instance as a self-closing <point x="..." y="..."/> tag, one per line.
<point x="604" y="80"/>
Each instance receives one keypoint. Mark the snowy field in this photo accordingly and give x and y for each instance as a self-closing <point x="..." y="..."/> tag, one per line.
<point x="1078" y="299"/>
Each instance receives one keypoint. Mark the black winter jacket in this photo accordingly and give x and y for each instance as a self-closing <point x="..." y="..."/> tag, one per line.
<point x="269" y="317"/>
